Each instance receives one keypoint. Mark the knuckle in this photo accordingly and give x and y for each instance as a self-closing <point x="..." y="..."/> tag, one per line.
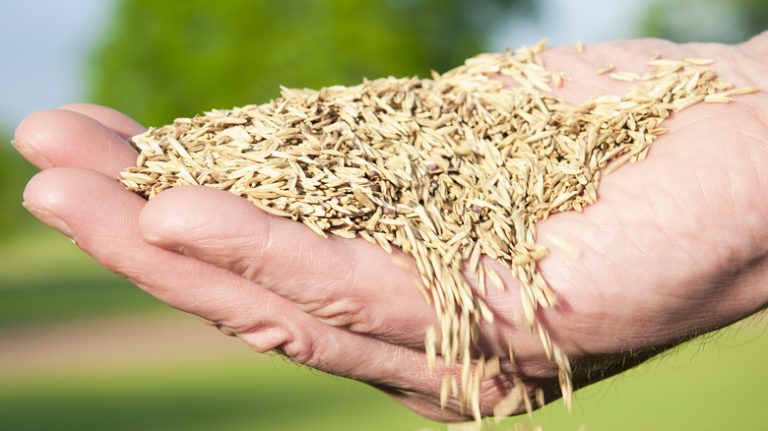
<point x="296" y="344"/>
<point x="249" y="269"/>
<point x="302" y="349"/>
<point x="347" y="312"/>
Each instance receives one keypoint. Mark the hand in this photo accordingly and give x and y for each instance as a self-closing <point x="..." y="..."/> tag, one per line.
<point x="676" y="245"/>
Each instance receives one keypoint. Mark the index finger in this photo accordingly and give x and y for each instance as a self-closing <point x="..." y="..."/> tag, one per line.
<point x="123" y="125"/>
<point x="62" y="138"/>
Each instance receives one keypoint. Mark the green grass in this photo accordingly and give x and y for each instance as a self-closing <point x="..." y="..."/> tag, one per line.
<point x="238" y="394"/>
<point x="715" y="384"/>
<point x="48" y="302"/>
<point x="38" y="253"/>
<point x="45" y="279"/>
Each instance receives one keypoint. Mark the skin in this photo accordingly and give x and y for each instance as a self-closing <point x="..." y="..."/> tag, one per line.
<point x="676" y="246"/>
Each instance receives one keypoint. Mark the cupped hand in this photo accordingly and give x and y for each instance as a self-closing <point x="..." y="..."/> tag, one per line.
<point x="676" y="245"/>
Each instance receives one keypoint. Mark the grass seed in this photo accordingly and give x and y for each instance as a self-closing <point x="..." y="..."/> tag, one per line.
<point x="447" y="169"/>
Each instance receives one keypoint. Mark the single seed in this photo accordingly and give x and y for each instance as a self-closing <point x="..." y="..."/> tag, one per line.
<point x="605" y="69"/>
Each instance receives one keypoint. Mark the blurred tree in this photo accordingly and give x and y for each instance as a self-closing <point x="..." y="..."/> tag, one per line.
<point x="164" y="59"/>
<point x="14" y="173"/>
<point x="728" y="21"/>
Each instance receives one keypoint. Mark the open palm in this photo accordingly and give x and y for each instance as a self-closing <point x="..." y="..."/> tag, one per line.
<point x="675" y="246"/>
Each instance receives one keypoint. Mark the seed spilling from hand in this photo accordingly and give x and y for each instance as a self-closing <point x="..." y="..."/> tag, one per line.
<point x="447" y="169"/>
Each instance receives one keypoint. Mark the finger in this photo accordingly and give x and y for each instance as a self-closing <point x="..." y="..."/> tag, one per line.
<point x="70" y="139"/>
<point x="342" y="282"/>
<point x="123" y="125"/>
<point x="102" y="218"/>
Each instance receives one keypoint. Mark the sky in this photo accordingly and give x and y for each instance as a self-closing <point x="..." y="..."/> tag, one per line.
<point x="45" y="44"/>
<point x="564" y="22"/>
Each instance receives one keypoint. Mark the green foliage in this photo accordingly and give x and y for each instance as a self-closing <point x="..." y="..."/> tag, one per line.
<point x="728" y="21"/>
<point x="14" y="173"/>
<point x="160" y="60"/>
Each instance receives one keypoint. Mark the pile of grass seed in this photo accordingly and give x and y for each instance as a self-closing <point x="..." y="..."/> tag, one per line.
<point x="447" y="169"/>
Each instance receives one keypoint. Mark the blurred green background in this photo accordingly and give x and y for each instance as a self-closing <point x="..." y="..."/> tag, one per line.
<point x="81" y="349"/>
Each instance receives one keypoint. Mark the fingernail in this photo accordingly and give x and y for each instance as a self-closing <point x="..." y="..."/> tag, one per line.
<point x="31" y="154"/>
<point x="49" y="218"/>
